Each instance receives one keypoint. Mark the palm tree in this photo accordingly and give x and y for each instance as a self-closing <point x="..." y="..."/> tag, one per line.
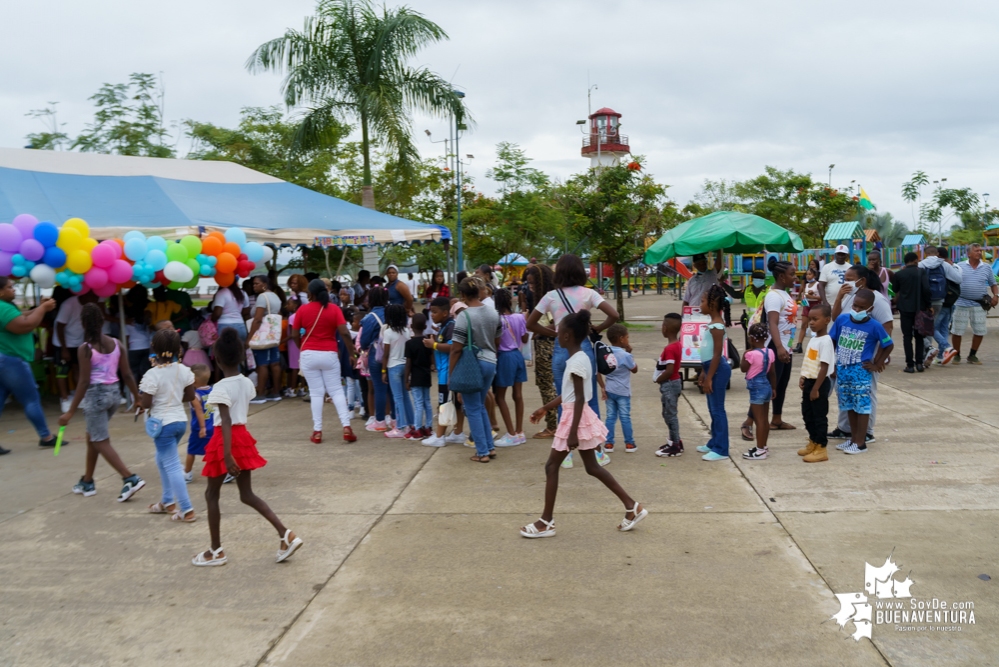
<point x="351" y="61"/>
<point x="888" y="228"/>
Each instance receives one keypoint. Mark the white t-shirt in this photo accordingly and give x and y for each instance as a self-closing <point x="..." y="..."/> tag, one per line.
<point x="881" y="311"/>
<point x="832" y="275"/>
<point x="820" y="349"/>
<point x="193" y="340"/>
<point x="779" y="301"/>
<point x="578" y="364"/>
<point x="138" y="336"/>
<point x="69" y="314"/>
<point x="397" y="346"/>
<point x="236" y="392"/>
<point x="232" y="311"/>
<point x="166" y="385"/>
<point x="580" y="298"/>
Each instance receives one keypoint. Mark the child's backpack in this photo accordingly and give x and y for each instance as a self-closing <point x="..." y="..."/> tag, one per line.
<point x="938" y="283"/>
<point x="606" y="360"/>
<point x="378" y="344"/>
<point x="208" y="332"/>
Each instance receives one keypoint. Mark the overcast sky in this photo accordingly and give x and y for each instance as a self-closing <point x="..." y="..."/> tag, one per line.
<point x="707" y="89"/>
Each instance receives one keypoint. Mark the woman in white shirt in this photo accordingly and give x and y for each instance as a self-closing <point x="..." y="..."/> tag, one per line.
<point x="231" y="309"/>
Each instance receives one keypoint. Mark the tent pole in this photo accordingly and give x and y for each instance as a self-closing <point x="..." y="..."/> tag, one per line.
<point x="339" y="269"/>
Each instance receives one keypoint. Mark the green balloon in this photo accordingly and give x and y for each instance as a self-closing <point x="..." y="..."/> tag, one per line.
<point x="193" y="282"/>
<point x="175" y="252"/>
<point x="175" y="285"/>
<point x="192" y="244"/>
<point x="194" y="266"/>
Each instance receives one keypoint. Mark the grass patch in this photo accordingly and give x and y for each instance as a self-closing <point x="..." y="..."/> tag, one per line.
<point x="635" y="326"/>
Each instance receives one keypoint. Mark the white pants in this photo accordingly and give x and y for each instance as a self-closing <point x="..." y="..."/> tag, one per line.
<point x="322" y="371"/>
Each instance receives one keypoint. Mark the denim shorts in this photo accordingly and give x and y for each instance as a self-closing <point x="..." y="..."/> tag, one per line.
<point x="760" y="390"/>
<point x="271" y="355"/>
<point x="99" y="405"/>
<point x="510" y="368"/>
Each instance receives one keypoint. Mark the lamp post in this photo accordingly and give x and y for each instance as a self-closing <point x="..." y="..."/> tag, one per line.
<point x="830" y="174"/>
<point x="458" y="126"/>
<point x="985" y="210"/>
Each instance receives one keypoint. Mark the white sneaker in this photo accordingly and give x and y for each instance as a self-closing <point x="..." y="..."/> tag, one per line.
<point x="433" y="441"/>
<point x="602" y="458"/>
<point x="455" y="439"/>
<point x="507" y="440"/>
<point x="395" y="433"/>
<point x="567" y="461"/>
<point x="370" y="422"/>
<point x="64" y="404"/>
<point x="189" y="477"/>
<point x="520" y="437"/>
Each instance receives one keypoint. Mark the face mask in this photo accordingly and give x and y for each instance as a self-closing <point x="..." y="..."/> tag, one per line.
<point x="852" y="284"/>
<point x="858" y="315"/>
<point x="811" y="280"/>
<point x="759" y="282"/>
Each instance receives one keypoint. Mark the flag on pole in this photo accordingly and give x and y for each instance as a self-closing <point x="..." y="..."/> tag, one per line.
<point x="865" y="201"/>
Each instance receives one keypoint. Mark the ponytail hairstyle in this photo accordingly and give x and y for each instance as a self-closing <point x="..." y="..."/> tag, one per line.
<point x="578" y="324"/>
<point x="778" y="268"/>
<point x="319" y="293"/>
<point x="716" y="298"/>
<point x="395" y="317"/>
<point x="166" y="346"/>
<point x="503" y="301"/>
<point x="376" y="297"/>
<point x="92" y="320"/>
<point x="228" y="348"/>
<point x="871" y="279"/>
<point x="759" y="331"/>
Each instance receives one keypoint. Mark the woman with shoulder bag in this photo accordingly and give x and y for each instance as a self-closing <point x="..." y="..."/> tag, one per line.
<point x="264" y="338"/>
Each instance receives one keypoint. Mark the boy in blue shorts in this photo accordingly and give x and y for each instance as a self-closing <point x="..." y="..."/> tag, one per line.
<point x="201" y="426"/>
<point x="857" y="338"/>
<point x="440" y="312"/>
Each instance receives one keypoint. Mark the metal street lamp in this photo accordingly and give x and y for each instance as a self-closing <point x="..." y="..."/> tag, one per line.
<point x="458" y="126"/>
<point x="830" y="174"/>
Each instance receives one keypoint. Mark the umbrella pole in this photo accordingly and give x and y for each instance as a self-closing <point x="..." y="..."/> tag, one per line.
<point x="342" y="257"/>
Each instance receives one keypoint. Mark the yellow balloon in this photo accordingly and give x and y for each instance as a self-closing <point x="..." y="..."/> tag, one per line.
<point x="69" y="239"/>
<point x="89" y="244"/>
<point x="79" y="261"/>
<point x="79" y="225"/>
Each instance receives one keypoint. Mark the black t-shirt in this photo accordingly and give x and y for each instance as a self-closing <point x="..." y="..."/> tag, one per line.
<point x="420" y="357"/>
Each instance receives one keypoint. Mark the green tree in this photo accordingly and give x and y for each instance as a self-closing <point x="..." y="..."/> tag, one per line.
<point x="615" y="210"/>
<point x="352" y="61"/>
<point x="911" y="192"/>
<point x="949" y="205"/>
<point x="890" y="230"/>
<point x="128" y="120"/>
<point x="53" y="138"/>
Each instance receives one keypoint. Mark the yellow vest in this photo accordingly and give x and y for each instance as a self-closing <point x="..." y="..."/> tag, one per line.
<point x="752" y="299"/>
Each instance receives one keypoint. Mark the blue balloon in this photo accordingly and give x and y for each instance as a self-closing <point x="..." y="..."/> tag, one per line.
<point x="135" y="249"/>
<point x="18" y="260"/>
<point x="254" y="252"/>
<point x="156" y="243"/>
<point x="156" y="258"/>
<point x="54" y="257"/>
<point x="47" y="234"/>
<point x="18" y="271"/>
<point x="236" y="235"/>
<point x="134" y="234"/>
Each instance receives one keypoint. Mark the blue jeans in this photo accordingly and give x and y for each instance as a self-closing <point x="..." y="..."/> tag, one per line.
<point x="238" y="326"/>
<point x="381" y="387"/>
<point x="423" y="411"/>
<point x="716" y="407"/>
<point x="16" y="378"/>
<point x="619" y="406"/>
<point x="559" y="358"/>
<point x="171" y="472"/>
<point x="941" y="328"/>
<point x="475" y="411"/>
<point x="403" y="406"/>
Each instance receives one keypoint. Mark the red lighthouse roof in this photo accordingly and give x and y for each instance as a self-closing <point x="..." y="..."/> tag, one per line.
<point x="605" y="111"/>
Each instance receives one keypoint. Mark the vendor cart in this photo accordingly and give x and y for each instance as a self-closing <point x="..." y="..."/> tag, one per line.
<point x="692" y="332"/>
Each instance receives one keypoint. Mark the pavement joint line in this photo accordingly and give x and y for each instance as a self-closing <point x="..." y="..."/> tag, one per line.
<point x="929" y="402"/>
<point x="783" y="527"/>
<point x="305" y="607"/>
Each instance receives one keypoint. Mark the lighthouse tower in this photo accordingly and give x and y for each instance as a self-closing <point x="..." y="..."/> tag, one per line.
<point x="605" y="145"/>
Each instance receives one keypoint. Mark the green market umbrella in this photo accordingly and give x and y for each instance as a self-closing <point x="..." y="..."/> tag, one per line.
<point x="728" y="231"/>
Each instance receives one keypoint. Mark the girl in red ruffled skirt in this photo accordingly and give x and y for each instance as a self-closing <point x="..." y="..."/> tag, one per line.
<point x="579" y="428"/>
<point x="233" y="450"/>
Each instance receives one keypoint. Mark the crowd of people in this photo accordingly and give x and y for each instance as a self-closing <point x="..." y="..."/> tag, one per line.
<point x="373" y="350"/>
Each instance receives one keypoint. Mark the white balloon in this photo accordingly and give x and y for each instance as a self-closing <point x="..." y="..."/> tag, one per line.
<point x="178" y="272"/>
<point x="43" y="275"/>
<point x="268" y="254"/>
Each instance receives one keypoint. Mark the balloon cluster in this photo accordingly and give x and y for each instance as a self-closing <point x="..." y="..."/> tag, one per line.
<point x="68" y="256"/>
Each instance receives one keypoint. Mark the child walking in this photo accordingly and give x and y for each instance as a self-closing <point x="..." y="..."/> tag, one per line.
<point x="201" y="427"/>
<point x="857" y="336"/>
<point x="394" y="337"/>
<point x="233" y="450"/>
<point x="440" y="312"/>
<point x="419" y="359"/>
<point x="164" y="390"/>
<point x="761" y="381"/>
<point x="511" y="370"/>
<point x="579" y="428"/>
<point x="715" y="374"/>
<point x="820" y="356"/>
<point x="618" y="388"/>
<point x="101" y="366"/>
<point x="667" y="376"/>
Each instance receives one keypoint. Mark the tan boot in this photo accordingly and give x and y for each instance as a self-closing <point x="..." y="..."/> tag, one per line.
<point x="818" y="454"/>
<point x="807" y="449"/>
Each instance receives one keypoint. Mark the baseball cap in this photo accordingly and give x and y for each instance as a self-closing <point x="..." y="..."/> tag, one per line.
<point x="842" y="248"/>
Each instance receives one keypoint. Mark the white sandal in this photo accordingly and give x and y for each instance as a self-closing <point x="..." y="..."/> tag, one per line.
<point x="285" y="554"/>
<point x="201" y="561"/>
<point x="189" y="517"/>
<point x="627" y="524"/>
<point x="531" y="531"/>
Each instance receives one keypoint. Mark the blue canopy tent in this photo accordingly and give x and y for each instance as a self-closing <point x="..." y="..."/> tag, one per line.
<point x="172" y="198"/>
<point x="512" y="259"/>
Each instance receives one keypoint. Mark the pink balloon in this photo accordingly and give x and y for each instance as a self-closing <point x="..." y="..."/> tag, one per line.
<point x="102" y="256"/>
<point x="26" y="225"/>
<point x="120" y="272"/>
<point x="118" y="249"/>
<point x="107" y="290"/>
<point x="95" y="278"/>
<point x="32" y="250"/>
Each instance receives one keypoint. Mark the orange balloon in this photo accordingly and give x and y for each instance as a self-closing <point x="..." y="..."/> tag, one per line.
<point x="224" y="279"/>
<point x="215" y="235"/>
<point x="226" y="263"/>
<point x="129" y="285"/>
<point x="233" y="249"/>
<point x="122" y="244"/>
<point x="211" y="246"/>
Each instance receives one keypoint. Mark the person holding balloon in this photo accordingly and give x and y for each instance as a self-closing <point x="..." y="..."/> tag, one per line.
<point x="17" y="351"/>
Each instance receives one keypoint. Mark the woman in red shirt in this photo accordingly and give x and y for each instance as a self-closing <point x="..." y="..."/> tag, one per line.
<point x="316" y="326"/>
<point x="437" y="287"/>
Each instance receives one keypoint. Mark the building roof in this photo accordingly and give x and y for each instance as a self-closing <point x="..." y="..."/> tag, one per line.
<point x="604" y="111"/>
<point x="116" y="194"/>
<point x="913" y="239"/>
<point x="872" y="235"/>
<point x="842" y="231"/>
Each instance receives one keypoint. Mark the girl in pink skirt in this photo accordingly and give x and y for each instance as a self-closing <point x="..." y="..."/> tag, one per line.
<point x="580" y="428"/>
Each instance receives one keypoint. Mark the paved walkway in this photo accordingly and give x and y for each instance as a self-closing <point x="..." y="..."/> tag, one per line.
<point x="412" y="555"/>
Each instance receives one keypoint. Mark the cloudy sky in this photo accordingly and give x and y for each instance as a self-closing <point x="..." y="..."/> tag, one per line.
<point x="708" y="89"/>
